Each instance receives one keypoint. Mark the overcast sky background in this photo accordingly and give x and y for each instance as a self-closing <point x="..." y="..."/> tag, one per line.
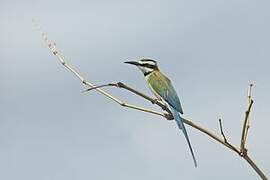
<point x="210" y="49"/>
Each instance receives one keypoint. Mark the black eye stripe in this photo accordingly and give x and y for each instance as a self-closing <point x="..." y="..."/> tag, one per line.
<point x="149" y="66"/>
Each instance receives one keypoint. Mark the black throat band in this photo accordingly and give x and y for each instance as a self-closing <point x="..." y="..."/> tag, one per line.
<point x="146" y="73"/>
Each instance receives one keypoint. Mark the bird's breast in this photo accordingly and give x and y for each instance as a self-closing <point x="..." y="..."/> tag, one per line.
<point x="149" y="79"/>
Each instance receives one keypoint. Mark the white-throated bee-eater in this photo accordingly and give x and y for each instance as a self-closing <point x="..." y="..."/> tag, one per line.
<point x="163" y="89"/>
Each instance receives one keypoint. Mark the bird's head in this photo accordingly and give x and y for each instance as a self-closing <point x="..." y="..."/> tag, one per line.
<point x="145" y="65"/>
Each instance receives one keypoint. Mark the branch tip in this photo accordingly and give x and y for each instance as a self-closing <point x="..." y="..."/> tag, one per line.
<point x="221" y="130"/>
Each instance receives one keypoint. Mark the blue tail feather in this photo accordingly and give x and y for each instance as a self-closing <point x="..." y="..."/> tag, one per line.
<point x="181" y="126"/>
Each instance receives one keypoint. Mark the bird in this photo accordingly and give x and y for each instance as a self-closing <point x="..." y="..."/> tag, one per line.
<point x="162" y="88"/>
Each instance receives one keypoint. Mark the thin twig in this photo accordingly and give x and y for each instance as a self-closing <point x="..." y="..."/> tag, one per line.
<point x="167" y="113"/>
<point x="97" y="87"/>
<point x="242" y="146"/>
<point x="221" y="130"/>
<point x="210" y="134"/>
<point x="243" y="149"/>
<point x="249" y="92"/>
<point x="248" y="120"/>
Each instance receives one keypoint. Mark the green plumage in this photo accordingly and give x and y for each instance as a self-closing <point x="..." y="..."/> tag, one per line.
<point x="162" y="87"/>
<point x="158" y="81"/>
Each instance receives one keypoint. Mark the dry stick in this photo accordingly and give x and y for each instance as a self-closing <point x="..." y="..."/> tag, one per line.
<point x="212" y="135"/>
<point x="248" y="120"/>
<point x="228" y="145"/>
<point x="56" y="52"/>
<point x="198" y="127"/>
<point x="186" y="121"/>
<point x="124" y="86"/>
<point x="255" y="167"/>
<point x="124" y="104"/>
<point x="243" y="149"/>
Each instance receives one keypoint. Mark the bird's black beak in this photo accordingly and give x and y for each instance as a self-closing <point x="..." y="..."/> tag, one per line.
<point x="133" y="63"/>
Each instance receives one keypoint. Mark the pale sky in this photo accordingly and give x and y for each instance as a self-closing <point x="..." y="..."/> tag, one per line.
<point x="211" y="50"/>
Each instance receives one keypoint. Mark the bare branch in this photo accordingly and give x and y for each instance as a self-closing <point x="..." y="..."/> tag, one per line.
<point x="255" y="167"/>
<point x="249" y="102"/>
<point x="210" y="134"/>
<point x="249" y="92"/>
<point x="167" y="114"/>
<point x="124" y="86"/>
<point x="245" y="128"/>
<point x="60" y="57"/>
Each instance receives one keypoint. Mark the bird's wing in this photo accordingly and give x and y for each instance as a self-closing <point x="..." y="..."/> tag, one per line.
<point x="163" y="86"/>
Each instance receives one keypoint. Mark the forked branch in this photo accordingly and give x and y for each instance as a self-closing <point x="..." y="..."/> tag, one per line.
<point x="166" y="113"/>
<point x="124" y="86"/>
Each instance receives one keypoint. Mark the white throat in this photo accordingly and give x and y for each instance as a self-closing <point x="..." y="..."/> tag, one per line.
<point x="146" y="70"/>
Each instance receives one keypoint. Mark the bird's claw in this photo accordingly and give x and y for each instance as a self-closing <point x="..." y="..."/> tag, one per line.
<point x="155" y="101"/>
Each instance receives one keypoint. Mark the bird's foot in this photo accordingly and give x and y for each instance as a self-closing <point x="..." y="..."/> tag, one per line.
<point x="155" y="101"/>
<point x="160" y="103"/>
<point x="165" y="107"/>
